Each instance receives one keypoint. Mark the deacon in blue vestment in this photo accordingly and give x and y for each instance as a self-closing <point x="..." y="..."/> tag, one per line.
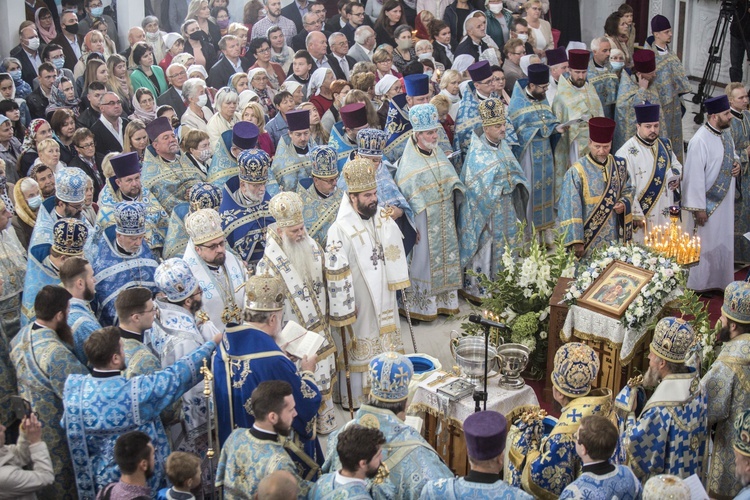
<point x="124" y="260"/>
<point x="250" y="355"/>
<point x="740" y="129"/>
<point x="201" y="195"/>
<point x="478" y="90"/>
<point x="321" y="196"/>
<point x="742" y="453"/>
<point x="602" y="76"/>
<point x="670" y="434"/>
<point x="244" y="135"/>
<point x="43" y="358"/>
<point x="77" y="277"/>
<point x="408" y="458"/>
<point x="102" y="406"/>
<point x="485" y="433"/>
<point x="292" y="161"/>
<point x="597" y="194"/>
<point x="244" y="206"/>
<point x="596" y="442"/>
<point x="344" y="133"/>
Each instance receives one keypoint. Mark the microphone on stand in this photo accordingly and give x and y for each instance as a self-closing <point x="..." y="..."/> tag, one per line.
<point x="480" y="320"/>
<point x="481" y="396"/>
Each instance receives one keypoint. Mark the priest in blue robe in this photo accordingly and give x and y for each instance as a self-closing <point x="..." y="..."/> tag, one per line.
<point x="292" y="161"/>
<point x="43" y="358"/>
<point x="344" y="133"/>
<point x="201" y="195"/>
<point x="597" y="195"/>
<point x="102" y="406"/>
<point x="244" y="135"/>
<point x="602" y="76"/>
<point x="244" y="206"/>
<point x="478" y="89"/>
<point x="321" y="196"/>
<point x="410" y="460"/>
<point x="123" y="260"/>
<point x="249" y="355"/>
<point x="77" y="277"/>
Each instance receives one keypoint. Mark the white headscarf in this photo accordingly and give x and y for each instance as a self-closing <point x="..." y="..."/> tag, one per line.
<point x="199" y="68"/>
<point x="385" y="84"/>
<point x="525" y="63"/>
<point x="461" y="63"/>
<point x="291" y="86"/>
<point x="316" y="80"/>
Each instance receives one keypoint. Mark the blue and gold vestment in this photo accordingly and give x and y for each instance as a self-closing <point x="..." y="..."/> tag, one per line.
<point x="621" y="483"/>
<point x="605" y="82"/>
<point x="326" y="488"/>
<point x="82" y="322"/>
<point x="629" y="93"/>
<point x="244" y="227"/>
<point x="169" y="182"/>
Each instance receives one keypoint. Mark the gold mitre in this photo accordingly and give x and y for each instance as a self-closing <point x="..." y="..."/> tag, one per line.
<point x="359" y="175"/>
<point x="204" y="225"/>
<point x="286" y="208"/>
<point x="264" y="293"/>
<point x="492" y="112"/>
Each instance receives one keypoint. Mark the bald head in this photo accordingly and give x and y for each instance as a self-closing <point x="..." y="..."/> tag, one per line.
<point x="279" y="485"/>
<point x="135" y="35"/>
<point x="316" y="44"/>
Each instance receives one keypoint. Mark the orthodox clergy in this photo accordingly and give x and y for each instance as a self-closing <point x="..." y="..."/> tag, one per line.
<point x="102" y="406"/>
<point x="200" y="195"/>
<point x="669" y="436"/>
<point x="292" y="160"/>
<point x="740" y="129"/>
<point x="43" y="267"/>
<point x="219" y="271"/>
<point x="538" y="132"/>
<point x="42" y="361"/>
<point x="497" y="193"/>
<point x="708" y="192"/>
<point x="670" y="82"/>
<point x="320" y="195"/>
<point x="366" y="264"/>
<point x="478" y="89"/>
<point x="429" y="183"/>
<point x="742" y="453"/>
<point x="244" y="135"/>
<point x="411" y="461"/>
<point x="601" y="76"/>
<point x="249" y="355"/>
<point x="728" y="388"/>
<point x="298" y="260"/>
<point x="654" y="171"/>
<point x="485" y="433"/>
<point x="545" y="464"/>
<point x="344" y="133"/>
<point x="167" y="174"/>
<point x="244" y="206"/>
<point x="77" y="277"/>
<point x="123" y="259"/>
<point x="557" y="60"/>
<point x="136" y="312"/>
<point x="13" y="268"/>
<point x="576" y="100"/>
<point x="637" y="87"/>
<point x="126" y="185"/>
<point x="596" y="442"/>
<point x="596" y="196"/>
<point x="251" y="453"/>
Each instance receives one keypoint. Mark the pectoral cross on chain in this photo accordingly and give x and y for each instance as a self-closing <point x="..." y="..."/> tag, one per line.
<point x="377" y="254"/>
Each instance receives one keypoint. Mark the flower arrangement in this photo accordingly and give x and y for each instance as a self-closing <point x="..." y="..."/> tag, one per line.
<point x="519" y="294"/>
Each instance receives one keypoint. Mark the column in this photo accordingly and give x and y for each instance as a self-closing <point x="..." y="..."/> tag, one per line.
<point x="11" y="17"/>
<point x="129" y="14"/>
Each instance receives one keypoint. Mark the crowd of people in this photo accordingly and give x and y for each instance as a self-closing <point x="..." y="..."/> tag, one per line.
<point x="171" y="209"/>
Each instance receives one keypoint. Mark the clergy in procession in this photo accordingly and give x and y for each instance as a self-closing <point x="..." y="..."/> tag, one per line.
<point x="42" y="360"/>
<point x="244" y="135"/>
<point x="429" y="183"/>
<point x="365" y="266"/>
<point x="250" y="355"/>
<point x="410" y="460"/>
<point x="292" y="160"/>
<point x="727" y="384"/>
<point x="244" y="206"/>
<point x="135" y="314"/>
<point x="43" y="267"/>
<point x="181" y="327"/>
<point x="126" y="185"/>
<point x="123" y="259"/>
<point x="478" y="89"/>
<point x="77" y="277"/>
<point x="497" y="193"/>
<point x="167" y="174"/>
<point x="252" y="453"/>
<point x="670" y="82"/>
<point x="13" y="266"/>
<point x="293" y="256"/>
<point x="538" y="132"/>
<point x="596" y="442"/>
<point x="576" y="100"/>
<point x="669" y="435"/>
<point x="219" y="271"/>
<point x="654" y="171"/>
<point x="103" y="405"/>
<point x="597" y="194"/>
<point x="637" y="86"/>
<point x="200" y="195"/>
<point x="557" y="60"/>
<point x="740" y="129"/>
<point x="485" y="433"/>
<point x="320" y="194"/>
<point x="344" y="133"/>
<point x="708" y="187"/>
<point x="601" y="75"/>
<point x="545" y="464"/>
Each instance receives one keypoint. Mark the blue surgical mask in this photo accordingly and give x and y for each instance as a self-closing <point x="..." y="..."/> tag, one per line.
<point x="617" y="65"/>
<point x="34" y="202"/>
<point x="97" y="11"/>
<point x="428" y="73"/>
<point x="16" y="75"/>
<point x="59" y="62"/>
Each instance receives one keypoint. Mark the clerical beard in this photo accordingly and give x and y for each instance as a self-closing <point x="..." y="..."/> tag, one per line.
<point x="89" y="293"/>
<point x="724" y="335"/>
<point x="651" y="378"/>
<point x="300" y="255"/>
<point x="195" y="306"/>
<point x="281" y="429"/>
<point x="64" y="332"/>
<point x="428" y="146"/>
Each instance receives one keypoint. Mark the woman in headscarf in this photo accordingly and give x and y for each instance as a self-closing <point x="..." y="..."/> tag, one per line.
<point x="281" y="53"/>
<point x="422" y="25"/>
<point x="39" y="130"/>
<point x="144" y="106"/>
<point x="238" y="82"/>
<point x="296" y="89"/>
<point x="258" y="78"/>
<point x="63" y="96"/>
<point x="8" y="93"/>
<point x="6" y="189"/>
<point x="386" y="89"/>
<point x="319" y="89"/>
<point x="93" y="42"/>
<point x="45" y="26"/>
<point x="175" y="45"/>
<point x="527" y="61"/>
<point x="13" y="67"/>
<point x="89" y="209"/>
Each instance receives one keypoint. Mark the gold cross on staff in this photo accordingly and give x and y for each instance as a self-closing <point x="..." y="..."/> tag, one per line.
<point x="359" y="233"/>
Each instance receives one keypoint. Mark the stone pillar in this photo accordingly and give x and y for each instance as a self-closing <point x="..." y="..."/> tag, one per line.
<point x="12" y="14"/>
<point x="129" y="14"/>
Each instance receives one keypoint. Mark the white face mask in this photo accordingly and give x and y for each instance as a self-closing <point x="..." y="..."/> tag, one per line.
<point x="617" y="65"/>
<point x="33" y="43"/>
<point x="495" y="8"/>
<point x="523" y="37"/>
<point x="152" y="36"/>
<point x="205" y="155"/>
<point x="202" y="100"/>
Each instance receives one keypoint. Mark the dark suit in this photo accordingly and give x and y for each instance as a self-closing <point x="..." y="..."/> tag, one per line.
<point x="291" y="12"/>
<point x="468" y="47"/>
<point x="209" y="52"/>
<point x="105" y="141"/>
<point x="87" y="118"/>
<point x="440" y="55"/>
<point x="70" y="56"/>
<point x="96" y="176"/>
<point x="172" y="98"/>
<point x="28" y="71"/>
<point x="336" y="66"/>
<point x="37" y="103"/>
<point x="219" y="74"/>
<point x="349" y="30"/>
<point x="298" y="40"/>
<point x="334" y="24"/>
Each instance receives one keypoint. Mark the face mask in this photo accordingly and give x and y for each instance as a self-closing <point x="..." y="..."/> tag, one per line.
<point x="205" y="155"/>
<point x="523" y="37"/>
<point x="617" y="65"/>
<point x="16" y="75"/>
<point x="152" y="36"/>
<point x="196" y="36"/>
<point x="72" y="29"/>
<point x="35" y="202"/>
<point x="59" y="62"/>
<point x="404" y="44"/>
<point x="428" y="73"/>
<point x="426" y="55"/>
<point x="202" y="100"/>
<point x="97" y="11"/>
<point x="33" y="43"/>
<point x="224" y="24"/>
<point x="495" y="8"/>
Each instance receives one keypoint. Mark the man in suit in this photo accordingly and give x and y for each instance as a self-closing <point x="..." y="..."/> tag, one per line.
<point x="229" y="64"/>
<point x="28" y="51"/>
<point x="295" y="11"/>
<point x="364" y="44"/>
<point x="110" y="128"/>
<point x="135" y="35"/>
<point x="341" y="63"/>
<point x="38" y="100"/>
<point x="473" y="44"/>
<point x="339" y="20"/>
<point x="310" y="22"/>
<point x="317" y="47"/>
<point x="355" y="13"/>
<point x="176" y="76"/>
<point x="69" y="39"/>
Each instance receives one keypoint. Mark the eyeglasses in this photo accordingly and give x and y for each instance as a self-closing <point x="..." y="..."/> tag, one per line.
<point x="213" y="247"/>
<point x="75" y="206"/>
<point x="262" y="51"/>
<point x="519" y="53"/>
<point x="175" y="75"/>
<point x="111" y="103"/>
<point x="86" y="146"/>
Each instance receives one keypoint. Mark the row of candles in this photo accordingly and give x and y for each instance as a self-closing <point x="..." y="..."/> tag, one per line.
<point x="670" y="241"/>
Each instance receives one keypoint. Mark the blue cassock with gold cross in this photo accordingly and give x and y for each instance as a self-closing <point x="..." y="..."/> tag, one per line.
<point x="399" y="127"/>
<point x="244" y="227"/>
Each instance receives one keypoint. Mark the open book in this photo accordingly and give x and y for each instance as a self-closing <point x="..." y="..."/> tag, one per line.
<point x="301" y="342"/>
<point x="415" y="422"/>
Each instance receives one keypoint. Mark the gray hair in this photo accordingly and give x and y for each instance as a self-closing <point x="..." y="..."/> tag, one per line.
<point x="174" y="66"/>
<point x="596" y="42"/>
<point x="309" y="18"/>
<point x="225" y="95"/>
<point x="362" y="33"/>
<point x="191" y="87"/>
<point x="334" y="36"/>
<point x="148" y="20"/>
<point x="27" y="183"/>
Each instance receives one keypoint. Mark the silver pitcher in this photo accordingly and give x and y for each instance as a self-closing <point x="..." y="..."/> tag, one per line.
<point x="513" y="360"/>
<point x="469" y="355"/>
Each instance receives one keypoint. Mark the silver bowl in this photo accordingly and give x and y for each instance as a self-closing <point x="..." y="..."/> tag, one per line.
<point x="469" y="354"/>
<point x="513" y="360"/>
